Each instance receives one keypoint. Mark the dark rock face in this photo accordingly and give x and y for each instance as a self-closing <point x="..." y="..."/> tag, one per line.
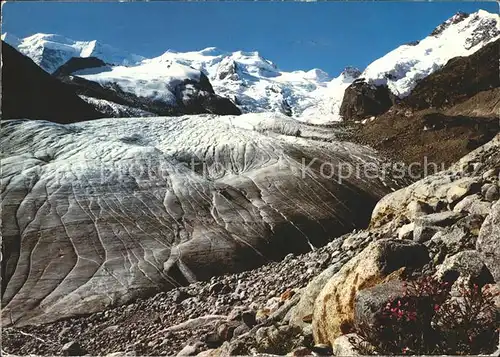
<point x="30" y="92"/>
<point x="228" y="69"/>
<point x="362" y="100"/>
<point x="204" y="99"/>
<point x="459" y="16"/>
<point x="459" y="79"/>
<point x="485" y="31"/>
<point x="78" y="63"/>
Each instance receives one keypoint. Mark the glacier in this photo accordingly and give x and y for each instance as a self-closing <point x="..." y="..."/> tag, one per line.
<point x="98" y="213"/>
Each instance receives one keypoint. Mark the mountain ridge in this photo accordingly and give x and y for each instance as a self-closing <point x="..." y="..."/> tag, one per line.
<point x="256" y="84"/>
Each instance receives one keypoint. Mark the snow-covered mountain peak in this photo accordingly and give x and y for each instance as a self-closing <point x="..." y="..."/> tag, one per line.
<point x="212" y="51"/>
<point x="317" y="75"/>
<point x="50" y="51"/>
<point x="460" y="35"/>
<point x="11" y="39"/>
<point x="458" y="17"/>
<point x="350" y="74"/>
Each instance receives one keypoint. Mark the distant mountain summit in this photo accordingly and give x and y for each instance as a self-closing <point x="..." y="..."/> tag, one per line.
<point x="461" y="35"/>
<point x="393" y="76"/>
<point x="51" y="51"/>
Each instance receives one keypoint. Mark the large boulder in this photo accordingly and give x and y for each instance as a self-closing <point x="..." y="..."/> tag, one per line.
<point x="370" y="302"/>
<point x="362" y="100"/>
<point x="488" y="242"/>
<point x="473" y="205"/>
<point x="334" y="307"/>
<point x="467" y="265"/>
<point x="301" y="314"/>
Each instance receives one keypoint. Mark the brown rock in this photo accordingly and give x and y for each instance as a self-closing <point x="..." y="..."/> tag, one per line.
<point x="334" y="306"/>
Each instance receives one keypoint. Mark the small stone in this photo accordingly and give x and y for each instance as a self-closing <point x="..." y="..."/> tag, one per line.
<point x="491" y="174"/>
<point x="190" y="349"/>
<point x="492" y="194"/>
<point x="111" y="329"/>
<point x="235" y="314"/>
<point x="262" y="315"/>
<point x="424" y="233"/>
<point x="180" y="296"/>
<point x="73" y="349"/>
<point x="240" y="330"/>
<point x="121" y="354"/>
<point x="215" y="288"/>
<point x="274" y="304"/>
<point x="346" y="345"/>
<point x="322" y="350"/>
<point x="248" y="318"/>
<point x="406" y="231"/>
<point x="287" y="295"/>
<point x="301" y="351"/>
<point x="212" y="340"/>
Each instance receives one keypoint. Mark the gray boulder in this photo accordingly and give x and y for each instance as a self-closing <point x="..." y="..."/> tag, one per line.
<point x="491" y="192"/>
<point x="467" y="265"/>
<point x="488" y="242"/>
<point x="369" y="302"/>
<point x="473" y="204"/>
<point x="425" y="227"/>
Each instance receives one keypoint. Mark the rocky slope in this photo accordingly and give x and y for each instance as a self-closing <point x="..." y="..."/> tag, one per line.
<point x="395" y="75"/>
<point x="29" y="92"/>
<point x="445" y="224"/>
<point x="99" y="213"/>
<point x="448" y="114"/>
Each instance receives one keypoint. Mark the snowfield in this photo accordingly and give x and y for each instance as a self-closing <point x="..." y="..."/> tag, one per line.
<point x="149" y="80"/>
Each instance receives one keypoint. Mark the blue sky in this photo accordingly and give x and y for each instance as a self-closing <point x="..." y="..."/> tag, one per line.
<point x="326" y="35"/>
